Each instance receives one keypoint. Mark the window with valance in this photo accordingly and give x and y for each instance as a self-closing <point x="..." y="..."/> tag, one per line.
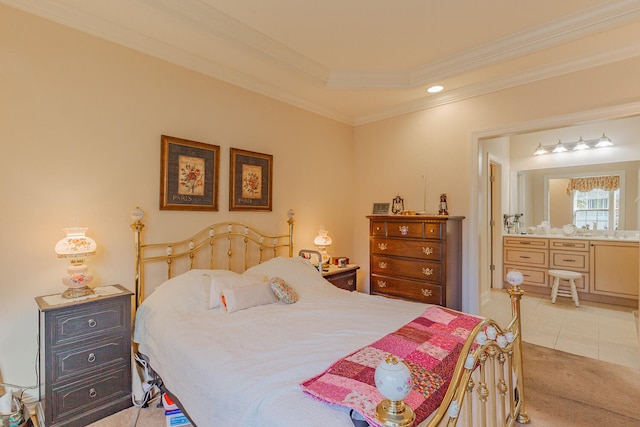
<point x="596" y="200"/>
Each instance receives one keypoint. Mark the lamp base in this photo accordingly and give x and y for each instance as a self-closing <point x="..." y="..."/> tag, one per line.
<point x="77" y="292"/>
<point x="392" y="413"/>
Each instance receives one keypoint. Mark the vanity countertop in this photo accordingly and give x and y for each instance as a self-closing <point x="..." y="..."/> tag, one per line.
<point x="621" y="236"/>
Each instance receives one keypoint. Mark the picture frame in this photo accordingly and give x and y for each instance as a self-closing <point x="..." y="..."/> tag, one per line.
<point x="189" y="175"/>
<point x="250" y="181"/>
<point x="381" y="208"/>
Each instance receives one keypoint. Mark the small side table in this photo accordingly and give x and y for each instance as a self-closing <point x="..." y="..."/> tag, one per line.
<point x="86" y="345"/>
<point x="342" y="277"/>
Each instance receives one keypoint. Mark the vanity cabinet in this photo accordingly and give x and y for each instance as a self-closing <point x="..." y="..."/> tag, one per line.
<point x="614" y="270"/>
<point x="571" y="255"/>
<point x="417" y="257"/>
<point x="610" y="269"/>
<point x="530" y="257"/>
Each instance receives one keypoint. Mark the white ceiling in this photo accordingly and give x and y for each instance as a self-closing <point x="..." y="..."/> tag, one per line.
<point x="363" y="60"/>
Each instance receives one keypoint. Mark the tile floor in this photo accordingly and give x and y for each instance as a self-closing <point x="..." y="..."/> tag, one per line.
<point x="600" y="331"/>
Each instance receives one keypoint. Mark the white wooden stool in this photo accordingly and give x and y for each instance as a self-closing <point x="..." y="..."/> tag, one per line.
<point x="571" y="276"/>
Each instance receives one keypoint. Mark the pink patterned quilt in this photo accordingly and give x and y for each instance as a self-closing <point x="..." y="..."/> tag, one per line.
<point x="429" y="344"/>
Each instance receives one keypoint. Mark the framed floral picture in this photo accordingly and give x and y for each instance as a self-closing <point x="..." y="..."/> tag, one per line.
<point x="189" y="174"/>
<point x="250" y="181"/>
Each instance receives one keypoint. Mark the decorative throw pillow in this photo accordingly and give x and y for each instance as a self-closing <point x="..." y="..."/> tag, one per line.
<point x="284" y="291"/>
<point x="243" y="297"/>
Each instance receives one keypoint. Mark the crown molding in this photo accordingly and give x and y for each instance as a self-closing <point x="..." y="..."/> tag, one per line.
<point x="587" y="22"/>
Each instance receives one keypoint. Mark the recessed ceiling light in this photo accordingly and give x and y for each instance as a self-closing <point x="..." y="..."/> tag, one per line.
<point x="435" y="89"/>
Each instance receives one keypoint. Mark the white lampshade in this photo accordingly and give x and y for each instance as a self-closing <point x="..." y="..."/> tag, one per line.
<point x="77" y="247"/>
<point x="559" y="148"/>
<point x="322" y="240"/>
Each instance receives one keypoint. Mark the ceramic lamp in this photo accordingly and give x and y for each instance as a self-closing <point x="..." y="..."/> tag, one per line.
<point x="322" y="240"/>
<point x="77" y="248"/>
<point x="393" y="380"/>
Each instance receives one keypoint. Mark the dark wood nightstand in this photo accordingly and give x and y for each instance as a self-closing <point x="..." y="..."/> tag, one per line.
<point x="344" y="278"/>
<point x="86" y="349"/>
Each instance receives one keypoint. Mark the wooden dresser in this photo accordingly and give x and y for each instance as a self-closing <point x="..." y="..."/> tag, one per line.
<point x="86" y="347"/>
<point x="417" y="257"/>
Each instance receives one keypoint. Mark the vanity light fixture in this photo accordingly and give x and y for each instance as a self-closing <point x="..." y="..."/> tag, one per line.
<point x="559" y="148"/>
<point x="579" y="145"/>
<point x="435" y="89"/>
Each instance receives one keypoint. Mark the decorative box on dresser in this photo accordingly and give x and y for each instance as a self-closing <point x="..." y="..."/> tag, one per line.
<point x="85" y="354"/>
<point x="417" y="257"/>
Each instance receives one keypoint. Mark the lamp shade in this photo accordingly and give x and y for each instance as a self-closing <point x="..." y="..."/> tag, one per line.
<point x="322" y="239"/>
<point x="75" y="244"/>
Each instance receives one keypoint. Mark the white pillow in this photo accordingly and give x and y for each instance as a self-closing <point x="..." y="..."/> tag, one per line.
<point x="240" y="298"/>
<point x="220" y="280"/>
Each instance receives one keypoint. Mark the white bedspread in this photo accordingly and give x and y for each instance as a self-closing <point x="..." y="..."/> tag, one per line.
<point x="244" y="368"/>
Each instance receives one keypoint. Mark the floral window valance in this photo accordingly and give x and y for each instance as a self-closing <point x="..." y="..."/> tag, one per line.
<point x="607" y="183"/>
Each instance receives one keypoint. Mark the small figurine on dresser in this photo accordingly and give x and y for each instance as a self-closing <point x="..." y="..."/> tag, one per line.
<point x="443" y="205"/>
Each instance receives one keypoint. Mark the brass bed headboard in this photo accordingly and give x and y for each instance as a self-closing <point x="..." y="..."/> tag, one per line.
<point x="234" y="232"/>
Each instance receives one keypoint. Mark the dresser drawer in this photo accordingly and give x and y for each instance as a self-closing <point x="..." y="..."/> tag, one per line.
<point x="564" y="260"/>
<point x="409" y="268"/>
<point x="404" y="229"/>
<point x="79" y="397"/>
<point x="344" y="280"/>
<point x="407" y="289"/>
<point x="89" y="358"/>
<point x="530" y="257"/>
<point x="90" y="321"/>
<point x="378" y="228"/>
<point x="425" y="249"/>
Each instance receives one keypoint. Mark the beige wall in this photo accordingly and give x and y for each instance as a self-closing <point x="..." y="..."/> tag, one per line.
<point x="81" y="124"/>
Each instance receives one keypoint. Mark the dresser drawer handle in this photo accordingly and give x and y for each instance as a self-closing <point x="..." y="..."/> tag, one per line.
<point x="92" y="323"/>
<point x="382" y="265"/>
<point x="427" y="250"/>
<point x="427" y="271"/>
<point x="427" y="292"/>
<point x="382" y="283"/>
<point x="93" y="393"/>
<point x="403" y="229"/>
<point x="433" y="230"/>
<point x="91" y="358"/>
<point x="382" y="246"/>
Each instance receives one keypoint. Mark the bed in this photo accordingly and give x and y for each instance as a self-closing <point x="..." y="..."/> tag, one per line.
<point x="256" y="362"/>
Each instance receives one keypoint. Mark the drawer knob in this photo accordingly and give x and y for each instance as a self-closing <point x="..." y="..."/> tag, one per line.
<point x="92" y="323"/>
<point x="91" y="358"/>
<point x="403" y="229"/>
<point x="427" y="250"/>
<point x="427" y="271"/>
<point x="350" y="282"/>
<point x="382" y="283"/>
<point x="382" y="246"/>
<point x="93" y="393"/>
<point x="382" y="265"/>
<point x="427" y="292"/>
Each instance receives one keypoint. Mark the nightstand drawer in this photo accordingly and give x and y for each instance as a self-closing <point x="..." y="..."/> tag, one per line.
<point x="89" y="358"/>
<point x="90" y="321"/>
<point x="82" y="396"/>
<point x="409" y="268"/>
<point x="408" y="289"/>
<point x="425" y="249"/>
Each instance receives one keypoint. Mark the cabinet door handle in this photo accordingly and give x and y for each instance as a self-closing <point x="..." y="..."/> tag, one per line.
<point x="382" y="265"/>
<point x="525" y="243"/>
<point x="382" y="283"/>
<point x="427" y="292"/>
<point x="524" y="257"/>
<point x="91" y="358"/>
<point x="93" y="393"/>
<point x="427" y="271"/>
<point x="569" y="260"/>
<point x="92" y="323"/>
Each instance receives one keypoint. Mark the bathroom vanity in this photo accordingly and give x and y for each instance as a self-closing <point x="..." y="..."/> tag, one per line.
<point x="609" y="264"/>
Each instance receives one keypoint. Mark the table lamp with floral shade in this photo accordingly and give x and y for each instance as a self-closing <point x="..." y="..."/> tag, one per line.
<point x="77" y="247"/>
